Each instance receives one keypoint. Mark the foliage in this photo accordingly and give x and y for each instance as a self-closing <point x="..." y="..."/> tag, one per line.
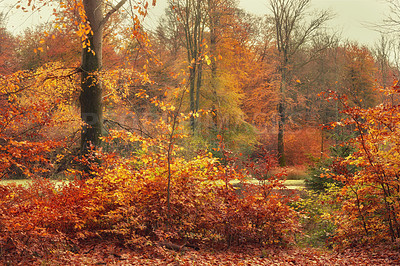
<point x="302" y="143"/>
<point x="317" y="220"/>
<point x="8" y="60"/>
<point x="369" y="202"/>
<point x="323" y="168"/>
<point x="127" y="200"/>
<point x="150" y="184"/>
<point x="359" y="76"/>
<point x="27" y="139"/>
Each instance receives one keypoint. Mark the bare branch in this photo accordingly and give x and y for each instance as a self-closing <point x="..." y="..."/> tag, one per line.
<point x="112" y="11"/>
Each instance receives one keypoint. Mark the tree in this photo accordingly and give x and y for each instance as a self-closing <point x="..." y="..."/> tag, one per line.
<point x="91" y="95"/>
<point x="45" y="44"/>
<point x="223" y="60"/>
<point x="383" y="54"/>
<point x="192" y="19"/>
<point x="292" y="31"/>
<point x="90" y="18"/>
<point x="370" y="207"/>
<point x="359" y="74"/>
<point x="8" y="62"/>
<point x="390" y="27"/>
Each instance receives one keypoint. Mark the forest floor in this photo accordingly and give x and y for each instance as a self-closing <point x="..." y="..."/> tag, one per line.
<point x="111" y="254"/>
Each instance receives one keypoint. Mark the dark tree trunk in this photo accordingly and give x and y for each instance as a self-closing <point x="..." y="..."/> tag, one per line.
<point x="281" y="130"/>
<point x="213" y="21"/>
<point x="190" y="14"/>
<point x="282" y="116"/>
<point x="91" y="94"/>
<point x="198" y="85"/>
<point x="192" y="89"/>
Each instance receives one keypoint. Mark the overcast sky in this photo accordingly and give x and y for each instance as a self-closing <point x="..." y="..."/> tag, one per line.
<point x="352" y="16"/>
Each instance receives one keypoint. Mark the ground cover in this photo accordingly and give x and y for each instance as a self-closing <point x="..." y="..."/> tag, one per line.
<point x="98" y="253"/>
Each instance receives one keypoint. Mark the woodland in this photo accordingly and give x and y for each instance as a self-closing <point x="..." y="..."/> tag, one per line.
<point x="178" y="145"/>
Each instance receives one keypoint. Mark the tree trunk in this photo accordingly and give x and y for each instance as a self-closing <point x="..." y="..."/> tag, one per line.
<point x="198" y="85"/>
<point x="190" y="16"/>
<point x="192" y="89"/>
<point x="91" y="94"/>
<point x="281" y="131"/>
<point x="213" y="21"/>
<point x="282" y="118"/>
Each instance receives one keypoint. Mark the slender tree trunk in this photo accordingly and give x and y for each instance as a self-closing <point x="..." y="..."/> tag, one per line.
<point x="192" y="90"/>
<point x="190" y="16"/>
<point x="198" y="85"/>
<point x="91" y="94"/>
<point x="282" y="118"/>
<point x="213" y="53"/>
<point x="281" y="132"/>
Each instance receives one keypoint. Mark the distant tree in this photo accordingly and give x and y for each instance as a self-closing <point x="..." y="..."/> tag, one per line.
<point x="294" y="27"/>
<point x="192" y="21"/>
<point x="387" y="71"/>
<point x="8" y="61"/>
<point x="44" y="44"/>
<point x="389" y="44"/>
<point x="359" y="74"/>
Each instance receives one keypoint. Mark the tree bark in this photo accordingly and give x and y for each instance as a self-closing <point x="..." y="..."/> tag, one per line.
<point x="91" y="94"/>
<point x="281" y="131"/>
<point x="213" y="22"/>
<point x="192" y="89"/>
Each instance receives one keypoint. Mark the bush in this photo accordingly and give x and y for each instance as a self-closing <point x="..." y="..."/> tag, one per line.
<point x="317" y="216"/>
<point x="128" y="200"/>
<point x="370" y="208"/>
<point x="323" y="170"/>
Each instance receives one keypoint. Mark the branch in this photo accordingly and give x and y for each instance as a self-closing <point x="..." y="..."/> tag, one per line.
<point x="112" y="11"/>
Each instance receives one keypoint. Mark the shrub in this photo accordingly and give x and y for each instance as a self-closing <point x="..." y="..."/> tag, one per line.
<point x="127" y="200"/>
<point x="317" y="216"/>
<point x="323" y="169"/>
<point x="369" y="198"/>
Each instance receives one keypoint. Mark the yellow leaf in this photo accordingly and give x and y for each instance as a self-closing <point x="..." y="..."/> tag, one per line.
<point x="208" y="61"/>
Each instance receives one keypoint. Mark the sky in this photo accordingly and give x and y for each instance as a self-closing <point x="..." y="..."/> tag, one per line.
<point x="353" y="18"/>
